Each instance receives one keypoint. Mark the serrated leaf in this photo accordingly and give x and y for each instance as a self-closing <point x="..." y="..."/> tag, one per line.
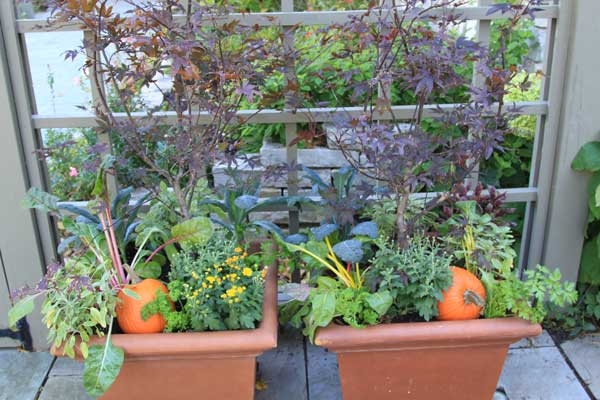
<point x="245" y="201"/>
<point x="194" y="231"/>
<point x="349" y="250"/>
<point x="367" y="228"/>
<point x="587" y="158"/>
<point x="101" y="368"/>
<point x="321" y="232"/>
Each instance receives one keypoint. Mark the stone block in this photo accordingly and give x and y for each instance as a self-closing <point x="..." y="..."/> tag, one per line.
<point x="323" y="377"/>
<point x="543" y="340"/>
<point x="318" y="157"/>
<point x="345" y="136"/>
<point x="22" y="374"/>
<point x="64" y="366"/>
<point x="584" y="354"/>
<point x="539" y="374"/>
<point x="64" y="388"/>
<point x="282" y="370"/>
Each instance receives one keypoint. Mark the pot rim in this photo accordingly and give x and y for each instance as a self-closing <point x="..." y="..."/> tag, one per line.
<point x="413" y="335"/>
<point x="248" y="342"/>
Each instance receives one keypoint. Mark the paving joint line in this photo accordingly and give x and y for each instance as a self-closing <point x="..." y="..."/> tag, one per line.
<point x="579" y="378"/>
<point x="45" y="380"/>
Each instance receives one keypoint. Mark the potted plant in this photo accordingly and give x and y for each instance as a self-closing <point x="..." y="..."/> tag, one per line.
<point x="215" y="284"/>
<point x="203" y="68"/>
<point x="371" y="291"/>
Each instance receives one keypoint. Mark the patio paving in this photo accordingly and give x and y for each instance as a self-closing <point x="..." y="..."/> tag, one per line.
<point x="295" y="370"/>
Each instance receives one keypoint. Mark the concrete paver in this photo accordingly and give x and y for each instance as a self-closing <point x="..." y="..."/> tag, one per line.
<point x="283" y="364"/>
<point x="64" y="366"/>
<point x="323" y="378"/>
<point x="543" y="340"/>
<point x="584" y="354"/>
<point x="539" y="374"/>
<point x="64" y="388"/>
<point x="22" y="374"/>
<point x="533" y="370"/>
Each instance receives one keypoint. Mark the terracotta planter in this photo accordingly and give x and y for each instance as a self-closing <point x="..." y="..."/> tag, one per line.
<point x="190" y="365"/>
<point x="457" y="360"/>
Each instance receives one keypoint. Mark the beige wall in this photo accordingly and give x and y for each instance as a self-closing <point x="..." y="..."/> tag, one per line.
<point x="21" y="257"/>
<point x="579" y="122"/>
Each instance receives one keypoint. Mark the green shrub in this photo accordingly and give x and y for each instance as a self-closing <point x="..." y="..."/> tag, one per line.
<point x="67" y="156"/>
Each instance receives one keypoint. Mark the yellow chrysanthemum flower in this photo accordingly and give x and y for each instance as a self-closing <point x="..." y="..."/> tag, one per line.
<point x="247" y="271"/>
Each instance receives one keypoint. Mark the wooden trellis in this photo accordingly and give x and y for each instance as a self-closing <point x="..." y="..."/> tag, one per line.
<point x="538" y="195"/>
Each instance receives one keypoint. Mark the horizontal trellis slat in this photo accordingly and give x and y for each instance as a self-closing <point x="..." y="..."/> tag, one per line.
<point x="270" y="116"/>
<point x="294" y="18"/>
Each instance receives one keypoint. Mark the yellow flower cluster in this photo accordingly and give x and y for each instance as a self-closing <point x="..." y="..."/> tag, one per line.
<point x="232" y="294"/>
<point x="227" y="274"/>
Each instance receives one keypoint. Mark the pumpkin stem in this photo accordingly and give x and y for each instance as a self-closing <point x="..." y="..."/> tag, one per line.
<point x="471" y="297"/>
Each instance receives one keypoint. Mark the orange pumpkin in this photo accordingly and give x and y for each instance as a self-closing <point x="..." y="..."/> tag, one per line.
<point x="464" y="299"/>
<point x="129" y="309"/>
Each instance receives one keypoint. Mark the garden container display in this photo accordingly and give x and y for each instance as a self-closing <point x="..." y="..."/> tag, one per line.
<point x="454" y="360"/>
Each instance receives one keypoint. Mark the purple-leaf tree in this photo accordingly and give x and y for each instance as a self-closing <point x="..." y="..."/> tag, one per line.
<point x="419" y="50"/>
<point x="212" y="64"/>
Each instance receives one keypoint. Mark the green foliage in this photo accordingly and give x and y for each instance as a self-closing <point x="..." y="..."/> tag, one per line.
<point x="332" y="299"/>
<point x="176" y="321"/>
<point x="476" y="240"/>
<point x="163" y="213"/>
<point x="509" y="295"/>
<point x="233" y="211"/>
<point x="193" y="232"/>
<point x="218" y="285"/>
<point x="102" y="367"/>
<point x="520" y="41"/>
<point x="340" y="198"/>
<point x="511" y="167"/>
<point x="319" y="83"/>
<point x="582" y="317"/>
<point x="21" y="309"/>
<point x="415" y="277"/>
<point x="587" y="159"/>
<point x="40" y="200"/>
<point x="80" y="302"/>
<point x="67" y="159"/>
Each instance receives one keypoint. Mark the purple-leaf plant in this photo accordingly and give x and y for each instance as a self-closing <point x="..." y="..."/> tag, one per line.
<point x="212" y="65"/>
<point x="419" y="50"/>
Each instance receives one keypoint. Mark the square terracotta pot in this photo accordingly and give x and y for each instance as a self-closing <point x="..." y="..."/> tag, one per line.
<point x="194" y="365"/>
<point x="455" y="360"/>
